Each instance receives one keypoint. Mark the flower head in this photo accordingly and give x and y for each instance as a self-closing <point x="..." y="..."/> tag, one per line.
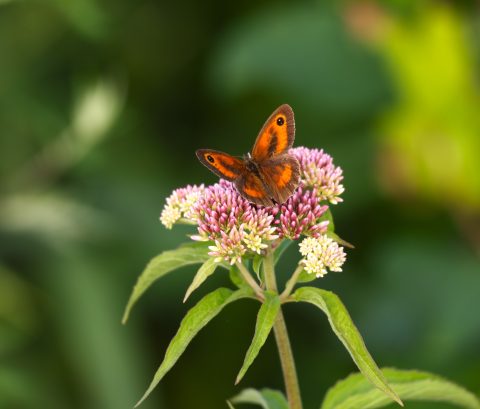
<point x="318" y="171"/>
<point x="232" y="223"/>
<point x="229" y="246"/>
<point x="300" y="214"/>
<point x="321" y="253"/>
<point x="179" y="205"/>
<point x="237" y="228"/>
<point x="258" y="223"/>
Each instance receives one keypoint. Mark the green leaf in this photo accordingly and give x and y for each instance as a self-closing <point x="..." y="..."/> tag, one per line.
<point x="161" y="265"/>
<point x="257" y="266"/>
<point x="339" y="240"/>
<point x="266" y="398"/>
<point x="275" y="399"/>
<point x="305" y="277"/>
<point x="230" y="406"/>
<point x="265" y="320"/>
<point x="355" y="392"/>
<point x="347" y="332"/>
<point x="327" y="216"/>
<point x="205" y="271"/>
<point x="199" y="316"/>
<point x="280" y="249"/>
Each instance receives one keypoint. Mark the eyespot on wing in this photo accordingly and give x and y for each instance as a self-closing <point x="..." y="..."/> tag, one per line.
<point x="222" y="164"/>
<point x="277" y="134"/>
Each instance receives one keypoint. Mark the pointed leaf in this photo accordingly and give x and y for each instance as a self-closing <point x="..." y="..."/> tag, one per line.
<point x="347" y="332"/>
<point x="355" y="392"/>
<point x="327" y="216"/>
<point x="199" y="316"/>
<point x="265" y="320"/>
<point x="266" y="398"/>
<point x="161" y="265"/>
<point x="306" y="277"/>
<point x="205" y="271"/>
<point x="275" y="399"/>
<point x="339" y="240"/>
<point x="257" y="265"/>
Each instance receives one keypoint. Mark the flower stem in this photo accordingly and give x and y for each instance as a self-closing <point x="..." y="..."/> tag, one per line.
<point x="250" y="280"/>
<point x="291" y="282"/>
<point x="283" y="342"/>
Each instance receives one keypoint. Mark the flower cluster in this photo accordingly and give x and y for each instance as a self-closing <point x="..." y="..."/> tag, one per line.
<point x="321" y="253"/>
<point x="237" y="228"/>
<point x="300" y="214"/>
<point x="232" y="223"/>
<point x="318" y="171"/>
<point x="179" y="205"/>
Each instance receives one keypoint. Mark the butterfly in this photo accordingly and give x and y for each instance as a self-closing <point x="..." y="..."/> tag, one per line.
<point x="267" y="175"/>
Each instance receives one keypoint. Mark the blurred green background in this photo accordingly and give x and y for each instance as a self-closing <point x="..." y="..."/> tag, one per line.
<point x="102" y="105"/>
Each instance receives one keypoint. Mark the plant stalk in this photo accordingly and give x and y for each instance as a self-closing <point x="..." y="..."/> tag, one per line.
<point x="250" y="280"/>
<point x="283" y="342"/>
<point x="291" y="283"/>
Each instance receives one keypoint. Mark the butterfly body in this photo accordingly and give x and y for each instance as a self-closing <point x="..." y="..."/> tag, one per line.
<point x="251" y="165"/>
<point x="267" y="175"/>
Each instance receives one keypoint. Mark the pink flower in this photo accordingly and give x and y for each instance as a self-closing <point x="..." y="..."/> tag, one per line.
<point x="318" y="171"/>
<point x="300" y="214"/>
<point x="238" y="228"/>
<point x="232" y="223"/>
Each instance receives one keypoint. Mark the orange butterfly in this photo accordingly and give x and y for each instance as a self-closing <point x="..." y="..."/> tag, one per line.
<point x="269" y="174"/>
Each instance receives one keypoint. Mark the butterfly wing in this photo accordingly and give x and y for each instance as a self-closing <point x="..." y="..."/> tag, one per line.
<point x="252" y="188"/>
<point x="222" y="164"/>
<point x="276" y="136"/>
<point x="281" y="174"/>
<point x="277" y="174"/>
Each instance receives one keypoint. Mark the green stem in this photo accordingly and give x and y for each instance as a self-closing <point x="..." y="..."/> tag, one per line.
<point x="283" y="342"/>
<point x="250" y="280"/>
<point x="291" y="282"/>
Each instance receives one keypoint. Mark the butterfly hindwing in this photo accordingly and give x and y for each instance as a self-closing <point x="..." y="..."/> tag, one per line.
<point x="276" y="136"/>
<point x="222" y="164"/>
<point x="282" y="175"/>
<point x="252" y="188"/>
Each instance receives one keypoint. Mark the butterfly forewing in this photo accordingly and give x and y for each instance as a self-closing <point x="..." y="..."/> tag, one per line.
<point x="282" y="175"/>
<point x="222" y="164"/>
<point x="276" y="136"/>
